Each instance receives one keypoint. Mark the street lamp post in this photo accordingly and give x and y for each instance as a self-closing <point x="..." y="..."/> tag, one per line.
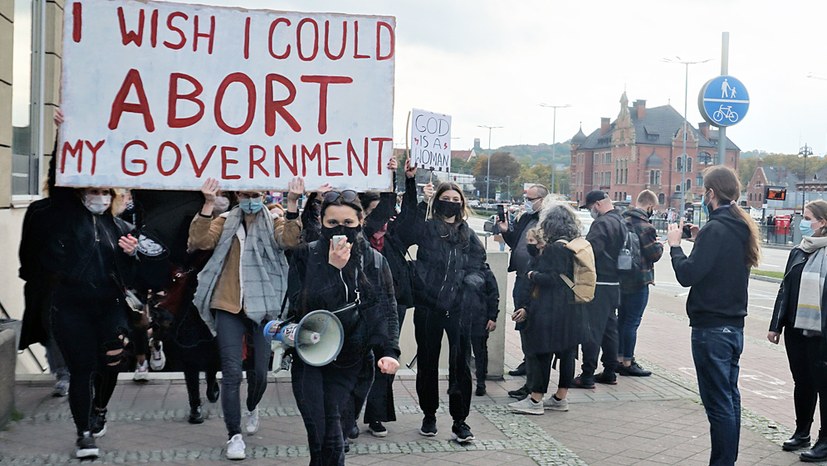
<point x="554" y="140"/>
<point x="805" y="152"/>
<point x="686" y="64"/>
<point x="488" y="170"/>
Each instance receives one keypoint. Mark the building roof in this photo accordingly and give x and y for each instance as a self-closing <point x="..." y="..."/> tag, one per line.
<point x="779" y="176"/>
<point x="657" y="127"/>
<point x="580" y="137"/>
<point x="464" y="155"/>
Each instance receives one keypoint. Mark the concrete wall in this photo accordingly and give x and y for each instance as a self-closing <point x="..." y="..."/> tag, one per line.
<point x="7" y="358"/>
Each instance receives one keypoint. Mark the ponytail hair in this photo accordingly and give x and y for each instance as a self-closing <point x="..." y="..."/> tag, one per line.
<point x="724" y="183"/>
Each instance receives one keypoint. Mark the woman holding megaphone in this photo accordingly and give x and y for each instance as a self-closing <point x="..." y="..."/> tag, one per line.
<point x="340" y="273"/>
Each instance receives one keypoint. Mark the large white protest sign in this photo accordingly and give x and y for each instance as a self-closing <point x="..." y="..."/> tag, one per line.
<point x="431" y="140"/>
<point x="163" y="95"/>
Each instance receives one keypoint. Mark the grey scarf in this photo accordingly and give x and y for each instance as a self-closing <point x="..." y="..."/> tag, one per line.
<point x="263" y="277"/>
<point x="808" y="312"/>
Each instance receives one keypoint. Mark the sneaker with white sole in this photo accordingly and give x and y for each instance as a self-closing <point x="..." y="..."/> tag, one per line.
<point x="157" y="359"/>
<point x="556" y="405"/>
<point x="251" y="426"/>
<point x="461" y="433"/>
<point x="141" y="372"/>
<point x="61" y="388"/>
<point x="85" y="446"/>
<point x="527" y="406"/>
<point x="235" y="448"/>
<point x="377" y="429"/>
<point x="98" y="426"/>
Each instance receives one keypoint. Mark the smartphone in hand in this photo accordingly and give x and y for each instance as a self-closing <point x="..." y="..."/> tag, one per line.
<point x="337" y="239"/>
<point x="686" y="233"/>
<point x="500" y="213"/>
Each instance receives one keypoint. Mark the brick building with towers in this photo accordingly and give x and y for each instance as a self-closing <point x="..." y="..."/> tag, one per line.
<point x="642" y="149"/>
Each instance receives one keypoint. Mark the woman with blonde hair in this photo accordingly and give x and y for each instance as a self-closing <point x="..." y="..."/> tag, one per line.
<point x="800" y="309"/>
<point x="717" y="271"/>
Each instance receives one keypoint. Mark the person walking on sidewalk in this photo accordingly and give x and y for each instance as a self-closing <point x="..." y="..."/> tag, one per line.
<point x="244" y="280"/>
<point x="606" y="236"/>
<point x="555" y="324"/>
<point x="448" y="272"/>
<point x="800" y="309"/>
<point x="346" y="276"/>
<point x="634" y="290"/>
<point x="514" y="234"/>
<point x="717" y="272"/>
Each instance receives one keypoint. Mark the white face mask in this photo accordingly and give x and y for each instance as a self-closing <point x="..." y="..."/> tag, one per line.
<point x="529" y="206"/>
<point x="97" y="203"/>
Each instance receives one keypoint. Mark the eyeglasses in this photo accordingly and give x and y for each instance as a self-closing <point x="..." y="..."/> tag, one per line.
<point x="532" y="199"/>
<point x="347" y="195"/>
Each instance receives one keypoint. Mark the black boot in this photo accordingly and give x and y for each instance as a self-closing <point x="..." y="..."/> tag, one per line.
<point x="818" y="452"/>
<point x="799" y="440"/>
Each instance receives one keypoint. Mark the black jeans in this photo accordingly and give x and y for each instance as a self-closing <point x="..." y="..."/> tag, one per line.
<point x="231" y="330"/>
<point x="86" y="327"/>
<point x="603" y="310"/>
<point x="352" y="407"/>
<point x="379" y="406"/>
<point x="538" y="370"/>
<point x="193" y="365"/>
<point x="429" y="327"/>
<point x="479" y="345"/>
<point x="320" y="393"/>
<point x="808" y="378"/>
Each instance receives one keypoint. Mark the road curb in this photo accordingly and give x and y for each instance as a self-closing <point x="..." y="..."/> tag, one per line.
<point x="764" y="279"/>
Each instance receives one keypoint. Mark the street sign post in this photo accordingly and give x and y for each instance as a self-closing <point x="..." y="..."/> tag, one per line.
<point x="723" y="101"/>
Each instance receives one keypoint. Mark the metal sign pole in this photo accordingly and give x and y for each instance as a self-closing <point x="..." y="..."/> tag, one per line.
<point x="724" y="72"/>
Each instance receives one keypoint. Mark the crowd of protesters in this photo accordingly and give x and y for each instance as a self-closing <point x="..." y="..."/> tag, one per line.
<point x="107" y="286"/>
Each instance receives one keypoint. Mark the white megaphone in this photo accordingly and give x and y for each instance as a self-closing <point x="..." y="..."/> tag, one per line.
<point x="317" y="338"/>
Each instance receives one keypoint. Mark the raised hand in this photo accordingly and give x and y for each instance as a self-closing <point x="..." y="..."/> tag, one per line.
<point x="393" y="164"/>
<point x="323" y="189"/>
<point x="58" y="117"/>
<point x="428" y="191"/>
<point x="209" y="189"/>
<point x="295" y="189"/>
<point x="410" y="171"/>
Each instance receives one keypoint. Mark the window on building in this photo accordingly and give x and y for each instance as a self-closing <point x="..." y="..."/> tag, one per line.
<point x="661" y="199"/>
<point x="689" y="164"/>
<point x="677" y="188"/>
<point x="607" y="157"/>
<point x="688" y="185"/>
<point x="705" y="158"/>
<point x="654" y="177"/>
<point x="679" y="164"/>
<point x="27" y="105"/>
<point x="699" y="180"/>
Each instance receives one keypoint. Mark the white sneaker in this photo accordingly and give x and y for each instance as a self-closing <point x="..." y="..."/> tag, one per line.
<point x="251" y="426"/>
<point x="235" y="448"/>
<point x="157" y="359"/>
<point x="141" y="372"/>
<point x="527" y="406"/>
<point x="554" y="405"/>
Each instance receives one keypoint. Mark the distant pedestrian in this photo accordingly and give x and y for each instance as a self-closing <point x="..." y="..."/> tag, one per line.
<point x="799" y="311"/>
<point x="483" y="322"/>
<point x="634" y="290"/>
<point x="606" y="236"/>
<point x="717" y="271"/>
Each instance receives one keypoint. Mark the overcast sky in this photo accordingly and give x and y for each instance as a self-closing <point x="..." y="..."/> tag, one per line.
<point x="489" y="62"/>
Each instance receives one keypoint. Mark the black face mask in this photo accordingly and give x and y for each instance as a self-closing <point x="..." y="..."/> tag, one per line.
<point x="447" y="209"/>
<point x="533" y="250"/>
<point x="350" y="232"/>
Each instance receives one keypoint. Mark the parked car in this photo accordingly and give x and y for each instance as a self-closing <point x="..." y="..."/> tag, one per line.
<point x="474" y="203"/>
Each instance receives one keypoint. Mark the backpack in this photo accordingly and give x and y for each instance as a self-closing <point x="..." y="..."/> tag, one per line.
<point x="629" y="259"/>
<point x="585" y="274"/>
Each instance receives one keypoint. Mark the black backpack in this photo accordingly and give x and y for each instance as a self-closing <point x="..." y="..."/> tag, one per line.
<point x="630" y="259"/>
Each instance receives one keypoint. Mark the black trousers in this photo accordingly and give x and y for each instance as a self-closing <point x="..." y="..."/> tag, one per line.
<point x="320" y="393"/>
<point x="429" y="328"/>
<point x="809" y="378"/>
<point x="86" y="328"/>
<point x="479" y="345"/>
<point x="352" y="407"/>
<point x="538" y="370"/>
<point x="379" y="406"/>
<point x="603" y="320"/>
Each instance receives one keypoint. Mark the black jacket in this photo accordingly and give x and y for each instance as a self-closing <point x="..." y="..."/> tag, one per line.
<point x="449" y="258"/>
<point x="651" y="250"/>
<point x="554" y="323"/>
<point x="606" y="237"/>
<point x="512" y="238"/>
<point x="315" y="284"/>
<point x="487" y="304"/>
<point x="395" y="247"/>
<point x="716" y="271"/>
<point x="783" y="313"/>
<point x="70" y="249"/>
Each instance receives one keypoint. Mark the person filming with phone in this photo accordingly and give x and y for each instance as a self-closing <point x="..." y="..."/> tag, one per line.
<point x="717" y="272"/>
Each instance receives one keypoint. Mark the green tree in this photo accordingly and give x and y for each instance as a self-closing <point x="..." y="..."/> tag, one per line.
<point x="504" y="170"/>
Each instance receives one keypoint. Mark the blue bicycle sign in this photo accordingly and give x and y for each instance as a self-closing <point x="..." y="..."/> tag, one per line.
<point x="723" y="101"/>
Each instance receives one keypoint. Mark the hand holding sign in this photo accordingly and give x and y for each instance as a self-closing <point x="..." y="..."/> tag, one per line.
<point x="410" y="171"/>
<point x="428" y="191"/>
<point x="393" y="164"/>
